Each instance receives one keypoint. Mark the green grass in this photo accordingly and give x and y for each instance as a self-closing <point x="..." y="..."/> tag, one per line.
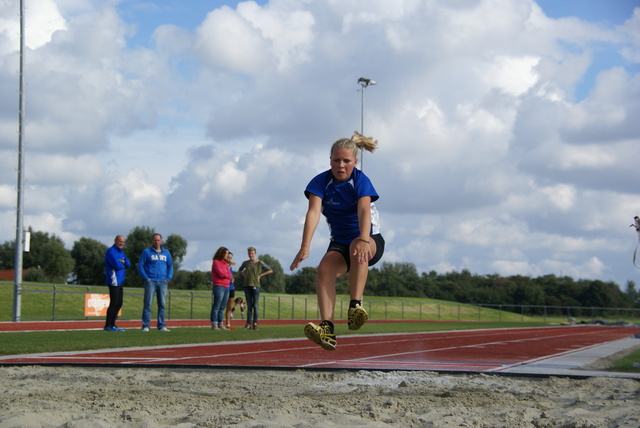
<point x="630" y="363"/>
<point x="39" y="303"/>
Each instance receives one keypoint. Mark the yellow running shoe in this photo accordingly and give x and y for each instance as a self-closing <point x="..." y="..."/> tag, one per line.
<point x="357" y="317"/>
<point x="321" y="335"/>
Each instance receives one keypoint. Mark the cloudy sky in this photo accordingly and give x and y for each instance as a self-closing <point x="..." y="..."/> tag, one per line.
<point x="509" y="130"/>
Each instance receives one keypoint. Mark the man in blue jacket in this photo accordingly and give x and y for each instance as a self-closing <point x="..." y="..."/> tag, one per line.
<point x="115" y="263"/>
<point x="156" y="269"/>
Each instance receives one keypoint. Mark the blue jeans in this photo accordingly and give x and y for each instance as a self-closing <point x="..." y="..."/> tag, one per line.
<point x="220" y="298"/>
<point x="151" y="289"/>
<point x="252" y="296"/>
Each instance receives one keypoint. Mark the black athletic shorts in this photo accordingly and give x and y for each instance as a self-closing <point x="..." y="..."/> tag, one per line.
<point x="344" y="250"/>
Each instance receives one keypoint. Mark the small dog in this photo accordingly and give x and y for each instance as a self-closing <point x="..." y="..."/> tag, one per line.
<point x="238" y="302"/>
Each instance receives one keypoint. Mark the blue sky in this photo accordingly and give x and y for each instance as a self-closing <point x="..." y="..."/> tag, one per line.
<point x="148" y="15"/>
<point x="605" y="13"/>
<point x="506" y="149"/>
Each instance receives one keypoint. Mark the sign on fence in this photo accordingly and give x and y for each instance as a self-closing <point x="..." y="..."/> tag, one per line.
<point x="95" y="305"/>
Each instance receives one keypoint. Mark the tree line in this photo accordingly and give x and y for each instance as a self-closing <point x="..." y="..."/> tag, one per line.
<point x="49" y="261"/>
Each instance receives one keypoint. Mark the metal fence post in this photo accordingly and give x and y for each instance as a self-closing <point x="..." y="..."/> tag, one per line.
<point x="191" y="307"/>
<point x="89" y="291"/>
<point x="53" y="310"/>
<point x="278" y="307"/>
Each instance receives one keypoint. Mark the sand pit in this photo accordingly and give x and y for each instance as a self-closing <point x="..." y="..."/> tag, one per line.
<point x="38" y="396"/>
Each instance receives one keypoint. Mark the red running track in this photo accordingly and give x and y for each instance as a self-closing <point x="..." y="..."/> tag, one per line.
<point x="470" y="350"/>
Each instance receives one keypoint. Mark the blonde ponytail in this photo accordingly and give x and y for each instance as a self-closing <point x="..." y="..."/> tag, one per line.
<point x="367" y="143"/>
<point x="358" y="141"/>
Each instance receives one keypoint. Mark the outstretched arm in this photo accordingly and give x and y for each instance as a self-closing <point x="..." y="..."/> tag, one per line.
<point x="310" y="225"/>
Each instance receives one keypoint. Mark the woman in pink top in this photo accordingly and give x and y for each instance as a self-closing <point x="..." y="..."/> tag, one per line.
<point x="220" y="279"/>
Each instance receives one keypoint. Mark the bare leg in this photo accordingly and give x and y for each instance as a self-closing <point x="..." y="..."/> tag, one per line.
<point x="331" y="267"/>
<point x="358" y="272"/>
<point x="228" y="311"/>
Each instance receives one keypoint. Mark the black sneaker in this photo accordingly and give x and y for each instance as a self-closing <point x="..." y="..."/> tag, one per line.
<point x="357" y="317"/>
<point x="321" y="335"/>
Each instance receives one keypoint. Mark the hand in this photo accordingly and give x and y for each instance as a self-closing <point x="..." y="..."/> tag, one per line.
<point x="362" y="251"/>
<point x="302" y="255"/>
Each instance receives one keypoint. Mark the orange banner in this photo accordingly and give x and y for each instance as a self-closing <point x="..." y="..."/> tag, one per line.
<point x="95" y="305"/>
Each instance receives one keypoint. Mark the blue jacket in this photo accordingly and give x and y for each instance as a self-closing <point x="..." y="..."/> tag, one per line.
<point x="155" y="265"/>
<point x="115" y="263"/>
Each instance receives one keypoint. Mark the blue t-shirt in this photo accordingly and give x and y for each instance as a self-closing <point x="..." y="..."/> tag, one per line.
<point x="340" y="203"/>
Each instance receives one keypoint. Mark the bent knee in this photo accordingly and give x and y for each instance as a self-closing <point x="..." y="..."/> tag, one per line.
<point x="332" y="265"/>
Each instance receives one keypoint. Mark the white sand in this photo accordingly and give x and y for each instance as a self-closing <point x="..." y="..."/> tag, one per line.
<point x="133" y="397"/>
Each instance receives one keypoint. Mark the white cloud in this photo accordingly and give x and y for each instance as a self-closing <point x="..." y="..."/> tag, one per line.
<point x="609" y="113"/>
<point x="47" y="222"/>
<point x="228" y="41"/>
<point x="252" y="38"/>
<point x="590" y="268"/>
<point x="7" y="196"/>
<point x="52" y="169"/>
<point x="115" y="202"/>
<point x="513" y="75"/>
<point x="561" y="195"/>
<point x="42" y="19"/>
<point x="516" y="268"/>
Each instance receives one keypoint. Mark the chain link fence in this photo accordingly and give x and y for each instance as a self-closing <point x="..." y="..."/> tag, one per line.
<point x="69" y="302"/>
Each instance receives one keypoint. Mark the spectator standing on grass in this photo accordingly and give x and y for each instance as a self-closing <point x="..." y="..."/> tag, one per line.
<point x="345" y="196"/>
<point x="220" y="279"/>
<point x="115" y="263"/>
<point x="156" y="269"/>
<point x="232" y="293"/>
<point x="252" y="270"/>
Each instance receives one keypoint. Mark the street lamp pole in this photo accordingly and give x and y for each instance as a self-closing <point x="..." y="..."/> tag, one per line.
<point x="17" y="267"/>
<point x="364" y="83"/>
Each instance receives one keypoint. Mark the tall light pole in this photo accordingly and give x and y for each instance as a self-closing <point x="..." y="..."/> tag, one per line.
<point x="17" y="288"/>
<point x="364" y="83"/>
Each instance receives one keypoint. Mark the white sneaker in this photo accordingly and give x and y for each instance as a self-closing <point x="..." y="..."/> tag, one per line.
<point x="163" y="329"/>
<point x="145" y="328"/>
